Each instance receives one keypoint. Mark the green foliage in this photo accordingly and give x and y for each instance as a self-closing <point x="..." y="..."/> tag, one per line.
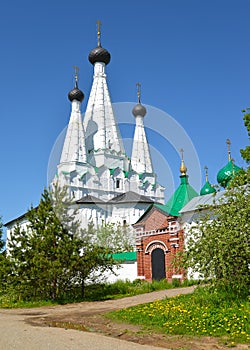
<point x="245" y="153"/>
<point x="218" y="247"/>
<point x="115" y="237"/>
<point x="201" y="313"/>
<point x="2" y="243"/>
<point x="53" y="256"/>
<point x="93" y="292"/>
<point x="176" y="282"/>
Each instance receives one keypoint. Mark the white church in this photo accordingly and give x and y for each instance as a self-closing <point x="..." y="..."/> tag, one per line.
<point x="108" y="185"/>
<point x="111" y="187"/>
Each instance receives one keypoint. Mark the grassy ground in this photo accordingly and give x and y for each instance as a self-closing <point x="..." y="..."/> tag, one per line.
<point x="203" y="313"/>
<point x="93" y="292"/>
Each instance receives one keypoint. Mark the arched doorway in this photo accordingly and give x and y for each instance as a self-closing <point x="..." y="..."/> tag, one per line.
<point x="158" y="264"/>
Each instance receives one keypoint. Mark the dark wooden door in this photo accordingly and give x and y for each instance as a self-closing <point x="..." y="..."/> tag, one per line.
<point x="158" y="264"/>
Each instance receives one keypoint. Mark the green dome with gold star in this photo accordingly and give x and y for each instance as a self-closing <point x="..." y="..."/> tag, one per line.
<point x="207" y="188"/>
<point x="227" y="173"/>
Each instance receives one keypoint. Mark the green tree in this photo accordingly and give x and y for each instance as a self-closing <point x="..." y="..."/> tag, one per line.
<point x="245" y="153"/>
<point x="115" y="237"/>
<point x="3" y="266"/>
<point x="2" y="243"/>
<point x="218" y="246"/>
<point x="53" y="256"/>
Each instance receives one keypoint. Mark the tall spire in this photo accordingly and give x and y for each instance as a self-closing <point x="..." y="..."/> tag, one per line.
<point x="102" y="132"/>
<point x="141" y="158"/>
<point x="74" y="144"/>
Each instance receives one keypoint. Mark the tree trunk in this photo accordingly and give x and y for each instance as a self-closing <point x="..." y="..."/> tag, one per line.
<point x="82" y="289"/>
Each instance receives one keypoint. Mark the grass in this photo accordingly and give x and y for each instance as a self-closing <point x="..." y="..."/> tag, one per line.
<point x="121" y="289"/>
<point x="203" y="313"/>
<point x="93" y="292"/>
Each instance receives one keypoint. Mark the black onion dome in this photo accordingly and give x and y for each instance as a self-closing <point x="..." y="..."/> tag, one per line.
<point x="76" y="94"/>
<point x="139" y="110"/>
<point x="99" y="54"/>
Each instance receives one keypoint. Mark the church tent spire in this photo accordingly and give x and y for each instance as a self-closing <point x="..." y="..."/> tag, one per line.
<point x="141" y="159"/>
<point x="74" y="144"/>
<point x="100" y="125"/>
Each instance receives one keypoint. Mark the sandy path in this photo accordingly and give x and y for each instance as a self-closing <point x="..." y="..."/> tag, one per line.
<point x="20" y="330"/>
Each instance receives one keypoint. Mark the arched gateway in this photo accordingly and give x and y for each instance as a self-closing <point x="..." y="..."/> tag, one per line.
<point x="158" y="264"/>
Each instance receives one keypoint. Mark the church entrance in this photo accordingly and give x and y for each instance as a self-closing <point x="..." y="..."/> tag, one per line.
<point x="158" y="264"/>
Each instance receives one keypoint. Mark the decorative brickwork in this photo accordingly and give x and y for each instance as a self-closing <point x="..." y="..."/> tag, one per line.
<point x="158" y="230"/>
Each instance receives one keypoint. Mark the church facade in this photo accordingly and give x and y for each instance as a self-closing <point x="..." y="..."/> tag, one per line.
<point x="107" y="184"/>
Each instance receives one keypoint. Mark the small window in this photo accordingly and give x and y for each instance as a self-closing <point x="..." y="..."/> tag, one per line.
<point x="118" y="182"/>
<point x="124" y="222"/>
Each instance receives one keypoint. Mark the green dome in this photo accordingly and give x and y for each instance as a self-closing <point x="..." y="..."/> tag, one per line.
<point x="207" y="188"/>
<point x="227" y="173"/>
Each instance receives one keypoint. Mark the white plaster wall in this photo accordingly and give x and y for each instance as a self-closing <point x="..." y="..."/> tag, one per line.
<point x="124" y="272"/>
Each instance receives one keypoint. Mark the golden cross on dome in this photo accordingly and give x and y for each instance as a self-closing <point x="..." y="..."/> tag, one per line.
<point x="138" y="92"/>
<point x="183" y="168"/>
<point x="98" y="32"/>
<point x="228" y="142"/>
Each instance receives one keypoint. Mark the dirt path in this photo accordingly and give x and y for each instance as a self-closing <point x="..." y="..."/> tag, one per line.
<point x="37" y="327"/>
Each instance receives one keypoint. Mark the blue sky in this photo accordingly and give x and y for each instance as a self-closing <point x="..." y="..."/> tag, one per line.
<point x="191" y="57"/>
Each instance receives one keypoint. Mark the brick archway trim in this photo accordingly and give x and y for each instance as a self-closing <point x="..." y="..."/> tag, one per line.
<point x="156" y="244"/>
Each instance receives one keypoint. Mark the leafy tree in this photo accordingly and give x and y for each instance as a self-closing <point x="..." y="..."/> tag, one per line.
<point x="3" y="265"/>
<point x="218" y="246"/>
<point x="2" y="243"/>
<point x="245" y="153"/>
<point x="115" y="237"/>
<point x="53" y="255"/>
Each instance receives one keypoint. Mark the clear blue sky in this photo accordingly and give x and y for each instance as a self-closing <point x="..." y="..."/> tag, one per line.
<point x="191" y="57"/>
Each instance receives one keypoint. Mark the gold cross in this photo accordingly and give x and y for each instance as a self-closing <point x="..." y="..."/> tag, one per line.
<point x="76" y="73"/>
<point x="206" y="170"/>
<point x="182" y="153"/>
<point x="138" y="92"/>
<point x="98" y="32"/>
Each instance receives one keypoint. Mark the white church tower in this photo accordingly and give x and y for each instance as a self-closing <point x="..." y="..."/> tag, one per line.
<point x="141" y="158"/>
<point x="107" y="185"/>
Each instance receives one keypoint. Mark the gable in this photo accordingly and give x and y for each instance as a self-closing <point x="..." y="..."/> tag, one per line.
<point x="154" y="218"/>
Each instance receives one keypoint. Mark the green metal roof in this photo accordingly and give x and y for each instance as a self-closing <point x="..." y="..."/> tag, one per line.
<point x="183" y="194"/>
<point x="125" y="256"/>
<point x="111" y="171"/>
<point x="126" y="173"/>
